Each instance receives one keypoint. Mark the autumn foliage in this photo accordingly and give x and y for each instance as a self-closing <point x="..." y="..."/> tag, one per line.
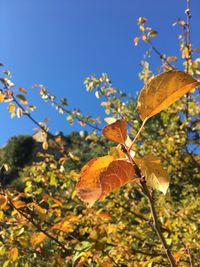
<point x="129" y="198"/>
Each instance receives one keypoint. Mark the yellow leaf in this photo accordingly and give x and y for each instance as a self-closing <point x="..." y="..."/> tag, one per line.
<point x="2" y="96"/>
<point x="73" y="157"/>
<point x="110" y="120"/>
<point x="163" y="90"/>
<point x="13" y="254"/>
<point x="38" y="209"/>
<point x="45" y="145"/>
<point x="22" y="90"/>
<point x="156" y="177"/>
<point x="11" y="107"/>
<point x="37" y="238"/>
<point x="136" y="40"/>
<point x="88" y="187"/>
<point x="3" y="202"/>
<point x="116" y="153"/>
<point x="116" y="131"/>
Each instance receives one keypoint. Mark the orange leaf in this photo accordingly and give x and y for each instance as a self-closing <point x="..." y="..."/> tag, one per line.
<point x="88" y="187"/>
<point x="3" y="202"/>
<point x="37" y="238"/>
<point x="19" y="204"/>
<point x="13" y="254"/>
<point x="118" y="173"/>
<point x="116" y="131"/>
<point x="100" y="176"/>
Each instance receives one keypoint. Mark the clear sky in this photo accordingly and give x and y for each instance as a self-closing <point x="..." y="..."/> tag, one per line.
<point x="59" y="42"/>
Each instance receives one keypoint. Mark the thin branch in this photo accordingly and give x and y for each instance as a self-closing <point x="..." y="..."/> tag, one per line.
<point x="39" y="228"/>
<point x="189" y="57"/>
<point x="156" y="223"/>
<point x="138" y="134"/>
<point x="160" y="55"/>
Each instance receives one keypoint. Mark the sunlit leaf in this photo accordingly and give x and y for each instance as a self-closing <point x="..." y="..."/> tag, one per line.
<point x="37" y="238"/>
<point x="22" y="98"/>
<point x="116" y="131"/>
<point x="22" y="90"/>
<point x="110" y="120"/>
<point x="88" y="187"/>
<point x="19" y="204"/>
<point x="118" y="173"/>
<point x="162" y="91"/>
<point x="13" y="254"/>
<point x="11" y="107"/>
<point x="19" y="112"/>
<point x="156" y="177"/>
<point x="45" y="145"/>
<point x="3" y="202"/>
<point x="116" y="153"/>
<point x="2" y="96"/>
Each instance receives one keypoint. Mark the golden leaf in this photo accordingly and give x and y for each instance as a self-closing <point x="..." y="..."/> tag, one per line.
<point x="2" y="96"/>
<point x="37" y="238"/>
<point x="13" y="254"/>
<point x="156" y="177"/>
<point x="45" y="145"/>
<point x="116" y="131"/>
<point x="22" y="90"/>
<point x="163" y="90"/>
<point x="116" y="153"/>
<point x="88" y="187"/>
<point x="3" y="202"/>
<point x="118" y="173"/>
<point x="11" y="107"/>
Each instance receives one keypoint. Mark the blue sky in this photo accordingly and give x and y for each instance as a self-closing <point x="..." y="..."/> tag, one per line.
<point x="60" y="42"/>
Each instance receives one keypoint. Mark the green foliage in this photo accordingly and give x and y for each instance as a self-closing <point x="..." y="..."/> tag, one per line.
<point x="18" y="151"/>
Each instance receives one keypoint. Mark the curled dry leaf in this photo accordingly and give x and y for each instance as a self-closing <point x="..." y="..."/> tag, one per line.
<point x="156" y="177"/>
<point x="116" y="131"/>
<point x="163" y="90"/>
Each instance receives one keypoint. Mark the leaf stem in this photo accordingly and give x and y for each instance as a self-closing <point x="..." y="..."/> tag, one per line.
<point x="138" y="134"/>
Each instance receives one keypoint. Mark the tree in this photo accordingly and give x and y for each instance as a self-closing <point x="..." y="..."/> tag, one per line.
<point x="18" y="151"/>
<point x="136" y="225"/>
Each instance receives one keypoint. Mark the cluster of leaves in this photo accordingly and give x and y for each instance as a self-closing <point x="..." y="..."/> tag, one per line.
<point x="47" y="219"/>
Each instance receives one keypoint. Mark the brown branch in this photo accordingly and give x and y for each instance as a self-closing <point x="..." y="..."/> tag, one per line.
<point x="156" y="224"/>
